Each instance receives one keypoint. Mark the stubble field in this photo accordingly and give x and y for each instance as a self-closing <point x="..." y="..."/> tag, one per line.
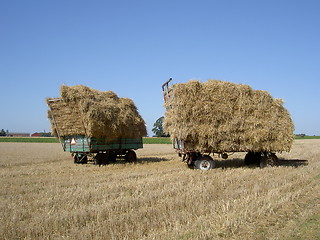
<point x="45" y="196"/>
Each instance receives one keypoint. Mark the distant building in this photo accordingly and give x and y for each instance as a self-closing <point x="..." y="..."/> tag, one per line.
<point x="36" y="134"/>
<point x="41" y="134"/>
<point x="11" y="134"/>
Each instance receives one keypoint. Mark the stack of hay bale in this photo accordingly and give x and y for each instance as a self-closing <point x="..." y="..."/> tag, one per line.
<point x="219" y="116"/>
<point x="84" y="111"/>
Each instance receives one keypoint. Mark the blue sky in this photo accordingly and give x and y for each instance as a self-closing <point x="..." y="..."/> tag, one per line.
<point x="132" y="47"/>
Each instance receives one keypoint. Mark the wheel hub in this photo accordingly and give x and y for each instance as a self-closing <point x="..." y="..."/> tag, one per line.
<point x="204" y="165"/>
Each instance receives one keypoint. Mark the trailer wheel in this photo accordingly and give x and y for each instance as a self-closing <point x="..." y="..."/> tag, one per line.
<point x="131" y="156"/>
<point x="252" y="158"/>
<point x="80" y="159"/>
<point x="100" y="159"/>
<point x="112" y="158"/>
<point x="204" y="163"/>
<point x="269" y="160"/>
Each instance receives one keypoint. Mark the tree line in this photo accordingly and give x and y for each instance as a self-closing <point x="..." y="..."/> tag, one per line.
<point x="3" y="132"/>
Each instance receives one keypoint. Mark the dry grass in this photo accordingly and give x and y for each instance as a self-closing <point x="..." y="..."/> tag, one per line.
<point x="45" y="196"/>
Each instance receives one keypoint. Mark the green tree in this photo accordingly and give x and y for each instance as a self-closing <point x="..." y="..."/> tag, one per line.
<point x="158" y="128"/>
<point x="3" y="132"/>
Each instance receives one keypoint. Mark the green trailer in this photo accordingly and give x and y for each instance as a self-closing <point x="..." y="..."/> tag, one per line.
<point x="101" y="150"/>
<point x="83" y="147"/>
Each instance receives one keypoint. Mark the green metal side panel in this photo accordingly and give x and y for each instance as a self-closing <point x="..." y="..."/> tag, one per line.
<point x="83" y="144"/>
<point x="76" y="144"/>
<point x="115" y="143"/>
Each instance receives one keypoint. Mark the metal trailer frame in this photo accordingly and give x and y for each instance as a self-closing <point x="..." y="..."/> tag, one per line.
<point x="203" y="160"/>
<point x="101" y="151"/>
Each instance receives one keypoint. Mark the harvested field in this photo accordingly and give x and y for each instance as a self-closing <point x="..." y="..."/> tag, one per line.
<point x="45" y="196"/>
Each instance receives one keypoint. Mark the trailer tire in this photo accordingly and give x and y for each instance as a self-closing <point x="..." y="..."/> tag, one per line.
<point x="131" y="156"/>
<point x="252" y="158"/>
<point x="112" y="158"/>
<point x="100" y="159"/>
<point x="271" y="160"/>
<point x="204" y="163"/>
<point x="80" y="159"/>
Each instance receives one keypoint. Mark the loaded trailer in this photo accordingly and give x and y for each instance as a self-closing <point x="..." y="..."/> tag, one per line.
<point x="185" y="133"/>
<point x="97" y="126"/>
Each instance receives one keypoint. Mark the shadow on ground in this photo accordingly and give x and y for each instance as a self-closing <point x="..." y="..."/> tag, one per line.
<point x="139" y="161"/>
<point x="293" y="162"/>
<point x="230" y="163"/>
<point x="152" y="159"/>
<point x="238" y="163"/>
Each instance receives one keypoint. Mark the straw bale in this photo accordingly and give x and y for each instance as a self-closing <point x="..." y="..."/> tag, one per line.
<point x="85" y="111"/>
<point x="219" y="116"/>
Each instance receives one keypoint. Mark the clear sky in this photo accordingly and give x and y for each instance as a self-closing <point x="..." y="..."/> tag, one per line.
<point x="132" y="47"/>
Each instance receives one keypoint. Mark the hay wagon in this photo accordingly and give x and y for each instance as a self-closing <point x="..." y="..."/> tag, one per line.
<point x="72" y="129"/>
<point x="185" y="135"/>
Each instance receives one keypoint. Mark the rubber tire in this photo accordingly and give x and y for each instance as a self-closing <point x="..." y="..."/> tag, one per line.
<point x="204" y="163"/>
<point x="112" y="158"/>
<point x="252" y="158"/>
<point x="270" y="161"/>
<point x="80" y="159"/>
<point x="100" y="159"/>
<point x="131" y="156"/>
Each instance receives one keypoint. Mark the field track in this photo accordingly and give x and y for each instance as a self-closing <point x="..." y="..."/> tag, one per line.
<point x="45" y="196"/>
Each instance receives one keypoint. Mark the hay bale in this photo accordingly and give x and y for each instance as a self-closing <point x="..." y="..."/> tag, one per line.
<point x="85" y="111"/>
<point x="219" y="116"/>
<point x="63" y="116"/>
